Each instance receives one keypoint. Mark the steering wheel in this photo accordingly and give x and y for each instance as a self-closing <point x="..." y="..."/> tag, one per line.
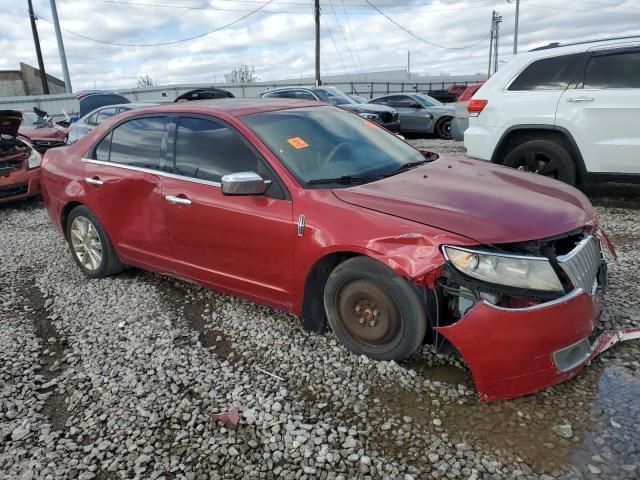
<point x="334" y="151"/>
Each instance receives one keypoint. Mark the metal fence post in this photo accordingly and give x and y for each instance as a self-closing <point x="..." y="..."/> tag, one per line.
<point x="387" y="87"/>
<point x="243" y="93"/>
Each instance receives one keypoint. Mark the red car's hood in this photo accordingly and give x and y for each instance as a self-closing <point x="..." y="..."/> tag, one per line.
<point x="481" y="201"/>
<point x="43" y="132"/>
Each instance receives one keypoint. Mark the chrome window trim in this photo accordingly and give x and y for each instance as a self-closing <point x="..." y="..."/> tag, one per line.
<point x="155" y="172"/>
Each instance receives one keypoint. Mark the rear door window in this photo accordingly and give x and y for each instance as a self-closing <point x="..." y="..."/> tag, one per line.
<point x="139" y="143"/>
<point x="621" y="70"/>
<point x="104" y="114"/>
<point x="207" y="150"/>
<point x="553" y="73"/>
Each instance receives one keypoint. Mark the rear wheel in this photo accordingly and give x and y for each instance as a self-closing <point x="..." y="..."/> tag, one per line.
<point x="90" y="246"/>
<point x="544" y="157"/>
<point x="373" y="311"/>
<point x="443" y="128"/>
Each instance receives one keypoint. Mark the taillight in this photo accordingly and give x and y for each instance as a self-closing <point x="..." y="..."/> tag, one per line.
<point x="474" y="107"/>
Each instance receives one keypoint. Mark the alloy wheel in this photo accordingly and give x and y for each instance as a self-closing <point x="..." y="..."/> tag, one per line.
<point x="86" y="243"/>
<point x="536" y="162"/>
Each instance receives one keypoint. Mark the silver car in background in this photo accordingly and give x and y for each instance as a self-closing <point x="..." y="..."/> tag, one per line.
<point x="419" y="113"/>
<point x="91" y="120"/>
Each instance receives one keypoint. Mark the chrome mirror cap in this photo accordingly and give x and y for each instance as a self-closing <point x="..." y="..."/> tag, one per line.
<point x="243" y="183"/>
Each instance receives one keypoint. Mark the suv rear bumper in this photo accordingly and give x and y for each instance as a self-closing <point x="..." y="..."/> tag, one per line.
<point x="480" y="141"/>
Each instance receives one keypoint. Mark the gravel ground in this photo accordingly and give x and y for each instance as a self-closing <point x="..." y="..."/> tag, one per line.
<point x="117" y="379"/>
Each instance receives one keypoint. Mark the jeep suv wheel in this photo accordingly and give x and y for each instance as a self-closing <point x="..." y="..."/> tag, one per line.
<point x="544" y="157"/>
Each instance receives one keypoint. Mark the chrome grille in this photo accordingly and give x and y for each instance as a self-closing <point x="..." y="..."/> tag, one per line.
<point x="582" y="264"/>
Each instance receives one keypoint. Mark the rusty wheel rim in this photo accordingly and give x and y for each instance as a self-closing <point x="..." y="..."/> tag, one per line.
<point x="368" y="315"/>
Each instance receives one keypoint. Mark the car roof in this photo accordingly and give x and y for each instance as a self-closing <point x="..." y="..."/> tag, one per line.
<point x="234" y="107"/>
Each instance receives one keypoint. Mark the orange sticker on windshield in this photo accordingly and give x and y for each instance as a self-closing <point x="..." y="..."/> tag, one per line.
<point x="370" y="124"/>
<point x="297" y="142"/>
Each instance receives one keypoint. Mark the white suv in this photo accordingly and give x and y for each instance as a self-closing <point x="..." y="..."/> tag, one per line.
<point x="571" y="112"/>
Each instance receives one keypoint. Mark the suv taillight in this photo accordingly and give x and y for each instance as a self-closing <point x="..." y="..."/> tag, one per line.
<point x="476" y="106"/>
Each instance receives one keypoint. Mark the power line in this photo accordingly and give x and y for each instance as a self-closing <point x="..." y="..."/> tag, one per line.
<point x="334" y="44"/>
<point x="172" y="42"/>
<point x="300" y="12"/>
<point x="353" y="39"/>
<point x="346" y="42"/>
<point x="420" y="38"/>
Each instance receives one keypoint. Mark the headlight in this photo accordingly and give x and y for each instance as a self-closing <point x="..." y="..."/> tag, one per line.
<point x="34" y="160"/>
<point x="369" y="116"/>
<point x="534" y="273"/>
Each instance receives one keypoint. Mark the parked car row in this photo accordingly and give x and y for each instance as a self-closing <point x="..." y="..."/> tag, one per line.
<point x="311" y="209"/>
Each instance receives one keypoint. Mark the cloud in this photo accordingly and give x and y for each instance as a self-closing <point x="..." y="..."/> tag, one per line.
<point x="279" y="41"/>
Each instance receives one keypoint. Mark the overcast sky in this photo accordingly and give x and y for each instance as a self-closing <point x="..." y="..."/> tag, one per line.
<point x="278" y="39"/>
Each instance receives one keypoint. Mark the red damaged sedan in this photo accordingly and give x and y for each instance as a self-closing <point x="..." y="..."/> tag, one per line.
<point x="19" y="161"/>
<point x="314" y="210"/>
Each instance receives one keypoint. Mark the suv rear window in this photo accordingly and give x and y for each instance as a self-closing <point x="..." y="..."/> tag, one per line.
<point x="620" y="70"/>
<point x="547" y="74"/>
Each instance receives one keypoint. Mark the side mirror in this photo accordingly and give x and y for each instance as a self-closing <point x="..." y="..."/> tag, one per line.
<point x="244" y="183"/>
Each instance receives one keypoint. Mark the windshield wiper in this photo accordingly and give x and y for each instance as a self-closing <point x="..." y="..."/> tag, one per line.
<point x="345" y="179"/>
<point x="408" y="166"/>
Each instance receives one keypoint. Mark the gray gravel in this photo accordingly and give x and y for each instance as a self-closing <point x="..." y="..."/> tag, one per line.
<point x="117" y="379"/>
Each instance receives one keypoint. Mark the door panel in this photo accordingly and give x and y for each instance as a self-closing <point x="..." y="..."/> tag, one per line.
<point x="128" y="203"/>
<point x="240" y="243"/>
<point x="605" y="125"/>
<point x="603" y="115"/>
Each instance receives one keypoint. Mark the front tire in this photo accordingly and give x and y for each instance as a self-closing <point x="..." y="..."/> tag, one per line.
<point x="544" y="157"/>
<point x="443" y="128"/>
<point x="90" y="246"/>
<point x="373" y="311"/>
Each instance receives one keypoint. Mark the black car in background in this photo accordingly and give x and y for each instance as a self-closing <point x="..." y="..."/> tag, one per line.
<point x="383" y="115"/>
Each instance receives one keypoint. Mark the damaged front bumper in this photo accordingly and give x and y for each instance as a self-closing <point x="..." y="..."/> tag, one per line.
<point x="515" y="350"/>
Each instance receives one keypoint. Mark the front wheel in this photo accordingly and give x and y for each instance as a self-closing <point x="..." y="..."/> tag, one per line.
<point x="373" y="311"/>
<point x="544" y="157"/>
<point x="443" y="128"/>
<point x="90" y="246"/>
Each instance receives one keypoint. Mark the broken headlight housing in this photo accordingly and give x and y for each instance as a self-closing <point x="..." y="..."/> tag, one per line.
<point x="34" y="160"/>
<point x="519" y="271"/>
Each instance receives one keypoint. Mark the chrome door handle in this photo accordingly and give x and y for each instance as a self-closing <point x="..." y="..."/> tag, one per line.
<point x="177" y="200"/>
<point x="94" y="181"/>
<point x="580" y="99"/>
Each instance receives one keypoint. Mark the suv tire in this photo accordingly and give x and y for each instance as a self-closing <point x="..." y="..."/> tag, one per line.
<point x="544" y="157"/>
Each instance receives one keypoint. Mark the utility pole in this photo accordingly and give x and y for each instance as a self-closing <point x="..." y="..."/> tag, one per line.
<point x="408" y="64"/>
<point x="515" y="32"/>
<point x="493" y="22"/>
<point x="36" y="40"/>
<point x="63" y="56"/>
<point x="316" y="10"/>
<point x="496" y="36"/>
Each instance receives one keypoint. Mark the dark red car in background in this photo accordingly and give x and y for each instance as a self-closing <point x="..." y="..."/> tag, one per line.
<point x="19" y="161"/>
<point x="40" y="130"/>
<point x="314" y="210"/>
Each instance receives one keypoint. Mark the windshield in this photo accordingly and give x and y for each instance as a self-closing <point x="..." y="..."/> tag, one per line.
<point x="426" y="100"/>
<point x="321" y="143"/>
<point x="333" y="95"/>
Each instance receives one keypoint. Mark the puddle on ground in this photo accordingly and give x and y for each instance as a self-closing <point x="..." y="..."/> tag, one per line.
<point x="602" y="405"/>
<point x="449" y="374"/>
